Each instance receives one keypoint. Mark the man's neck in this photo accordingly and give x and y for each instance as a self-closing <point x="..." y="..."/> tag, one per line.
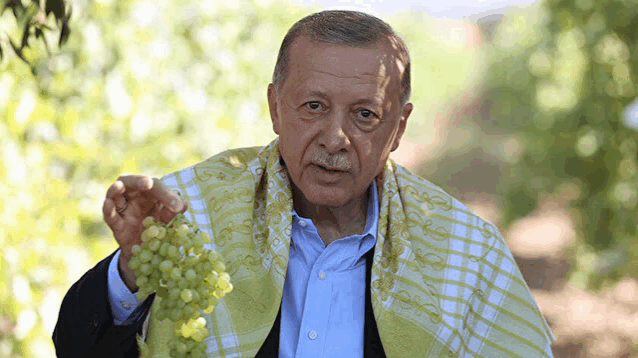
<point x="333" y="223"/>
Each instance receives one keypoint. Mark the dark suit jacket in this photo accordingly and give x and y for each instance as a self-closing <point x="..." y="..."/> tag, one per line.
<point x="85" y="325"/>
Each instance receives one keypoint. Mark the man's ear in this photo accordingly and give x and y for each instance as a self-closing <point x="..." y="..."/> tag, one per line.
<point x="272" y="106"/>
<point x="403" y="121"/>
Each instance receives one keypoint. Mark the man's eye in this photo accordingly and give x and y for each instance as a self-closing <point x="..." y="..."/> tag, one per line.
<point x="366" y="115"/>
<point x="314" y="105"/>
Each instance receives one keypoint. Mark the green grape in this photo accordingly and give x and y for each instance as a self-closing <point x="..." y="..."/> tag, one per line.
<point x="142" y="294"/>
<point x="134" y="263"/>
<point x="223" y="285"/>
<point x="212" y="277"/>
<point x="219" y="266"/>
<point x="176" y="273"/>
<point x="174" y="293"/>
<point x="190" y="345"/>
<point x="136" y="249"/>
<point x="163" y="250"/>
<point x="191" y="260"/>
<point x="180" y="303"/>
<point x="148" y="221"/>
<point x="170" y="303"/>
<point x="182" y="283"/>
<point x="166" y="266"/>
<point x="164" y="305"/>
<point x="173" y="251"/>
<point x="181" y="348"/>
<point x="203" y="291"/>
<point x="141" y="281"/>
<point x="175" y="314"/>
<point x="197" y="336"/>
<point x="155" y="261"/>
<point x="187" y="295"/>
<point x="153" y="231"/>
<point x="196" y="297"/>
<point x="182" y="229"/>
<point x="224" y="276"/>
<point x="219" y="293"/>
<point x="168" y="307"/>
<point x="208" y="310"/>
<point x="146" y="255"/>
<point x="190" y="274"/>
<point x="146" y="269"/>
<point x="202" y="345"/>
<point x="154" y="245"/>
<point x="172" y="261"/>
<point x="188" y="311"/>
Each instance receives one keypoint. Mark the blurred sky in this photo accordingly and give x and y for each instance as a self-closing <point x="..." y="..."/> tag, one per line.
<point x="452" y="9"/>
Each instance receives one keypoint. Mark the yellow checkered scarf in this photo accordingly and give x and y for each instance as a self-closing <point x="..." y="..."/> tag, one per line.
<point x="443" y="282"/>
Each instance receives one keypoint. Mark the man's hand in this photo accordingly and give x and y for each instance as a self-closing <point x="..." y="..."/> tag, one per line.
<point x="128" y="201"/>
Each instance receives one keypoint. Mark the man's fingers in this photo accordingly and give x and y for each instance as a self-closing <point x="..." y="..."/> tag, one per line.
<point x="116" y="189"/>
<point x="136" y="182"/>
<point x="165" y="215"/>
<point x="136" y="185"/>
<point x="111" y="217"/>
<point x="116" y="194"/>
<point x="168" y="198"/>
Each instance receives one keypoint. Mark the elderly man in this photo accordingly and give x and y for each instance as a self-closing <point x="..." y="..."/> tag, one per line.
<point x="334" y="250"/>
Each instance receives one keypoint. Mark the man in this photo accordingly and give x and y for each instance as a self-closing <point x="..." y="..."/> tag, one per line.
<point x="333" y="250"/>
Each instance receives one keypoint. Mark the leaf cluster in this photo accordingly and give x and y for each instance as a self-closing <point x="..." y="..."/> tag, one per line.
<point x="31" y="17"/>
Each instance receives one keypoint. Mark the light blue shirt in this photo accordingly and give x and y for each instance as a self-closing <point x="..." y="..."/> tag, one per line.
<point x="323" y="302"/>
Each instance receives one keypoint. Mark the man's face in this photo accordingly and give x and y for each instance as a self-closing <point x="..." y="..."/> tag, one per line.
<point x="338" y="117"/>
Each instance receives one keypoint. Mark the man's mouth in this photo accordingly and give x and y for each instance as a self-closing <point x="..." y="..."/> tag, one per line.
<point x="330" y="169"/>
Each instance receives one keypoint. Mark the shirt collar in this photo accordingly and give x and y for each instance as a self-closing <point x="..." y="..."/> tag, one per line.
<point x="372" y="217"/>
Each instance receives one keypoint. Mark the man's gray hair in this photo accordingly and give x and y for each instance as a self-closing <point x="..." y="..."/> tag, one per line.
<point x="341" y="27"/>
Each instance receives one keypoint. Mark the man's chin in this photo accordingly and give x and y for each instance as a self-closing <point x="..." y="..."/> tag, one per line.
<point x="332" y="197"/>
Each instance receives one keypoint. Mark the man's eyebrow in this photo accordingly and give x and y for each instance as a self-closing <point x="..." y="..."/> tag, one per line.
<point x="368" y="101"/>
<point x="313" y="93"/>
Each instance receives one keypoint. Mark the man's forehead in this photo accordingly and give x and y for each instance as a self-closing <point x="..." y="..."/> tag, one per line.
<point x="369" y="63"/>
<point x="379" y="55"/>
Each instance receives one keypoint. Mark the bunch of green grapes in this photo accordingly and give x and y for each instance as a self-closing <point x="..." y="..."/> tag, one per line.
<point x="172" y="262"/>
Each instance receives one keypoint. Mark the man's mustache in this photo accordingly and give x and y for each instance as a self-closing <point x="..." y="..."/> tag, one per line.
<point x="332" y="161"/>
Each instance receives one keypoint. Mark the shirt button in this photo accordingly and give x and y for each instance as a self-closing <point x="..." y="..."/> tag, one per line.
<point x="312" y="334"/>
<point x="125" y="305"/>
<point x="321" y="275"/>
<point x="302" y="223"/>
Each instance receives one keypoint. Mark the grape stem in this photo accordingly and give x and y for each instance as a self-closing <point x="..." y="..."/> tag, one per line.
<point x="173" y="219"/>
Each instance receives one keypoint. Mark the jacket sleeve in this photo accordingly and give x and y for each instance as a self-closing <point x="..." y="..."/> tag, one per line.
<point x="85" y="326"/>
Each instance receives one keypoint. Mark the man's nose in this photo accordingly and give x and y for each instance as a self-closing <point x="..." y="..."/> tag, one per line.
<point x="334" y="137"/>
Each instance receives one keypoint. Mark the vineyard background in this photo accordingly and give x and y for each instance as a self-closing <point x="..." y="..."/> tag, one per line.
<point x="529" y="115"/>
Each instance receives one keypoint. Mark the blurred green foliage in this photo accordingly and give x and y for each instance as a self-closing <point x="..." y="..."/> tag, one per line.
<point x="140" y="87"/>
<point x="37" y="20"/>
<point x="155" y="86"/>
<point x="561" y="83"/>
